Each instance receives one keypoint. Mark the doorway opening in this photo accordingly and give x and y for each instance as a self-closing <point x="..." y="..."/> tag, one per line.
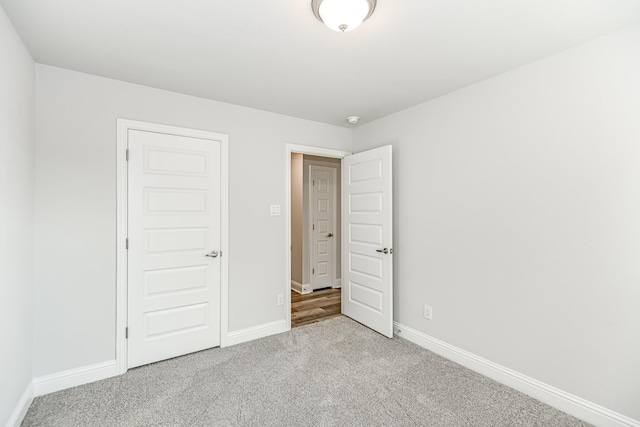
<point x="367" y="234"/>
<point x="315" y="238"/>
<point x="314" y="233"/>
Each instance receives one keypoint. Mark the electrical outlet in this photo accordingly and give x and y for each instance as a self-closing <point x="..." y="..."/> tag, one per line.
<point x="275" y="210"/>
<point x="280" y="299"/>
<point x="427" y="312"/>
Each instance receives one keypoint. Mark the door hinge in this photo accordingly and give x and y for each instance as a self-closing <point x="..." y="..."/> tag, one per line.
<point x="313" y="271"/>
<point x="313" y="226"/>
<point x="127" y="155"/>
<point x="314" y="183"/>
<point x="126" y="243"/>
<point x="126" y="332"/>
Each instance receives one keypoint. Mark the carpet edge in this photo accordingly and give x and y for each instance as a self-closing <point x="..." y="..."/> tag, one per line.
<point x="20" y="411"/>
<point x="74" y="377"/>
<point x="256" y="332"/>
<point x="552" y="396"/>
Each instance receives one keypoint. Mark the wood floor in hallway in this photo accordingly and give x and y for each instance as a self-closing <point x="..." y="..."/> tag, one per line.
<point x="314" y="307"/>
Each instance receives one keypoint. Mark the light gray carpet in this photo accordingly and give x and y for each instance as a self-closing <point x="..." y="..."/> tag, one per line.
<point x="332" y="373"/>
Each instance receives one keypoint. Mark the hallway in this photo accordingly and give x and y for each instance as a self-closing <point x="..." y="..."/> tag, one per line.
<point x="319" y="305"/>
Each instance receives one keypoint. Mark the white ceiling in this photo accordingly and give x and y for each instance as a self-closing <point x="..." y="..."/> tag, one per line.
<point x="274" y="55"/>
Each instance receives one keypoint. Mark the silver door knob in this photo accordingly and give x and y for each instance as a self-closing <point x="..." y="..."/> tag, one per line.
<point x="384" y="251"/>
<point x="330" y="235"/>
<point x="213" y="254"/>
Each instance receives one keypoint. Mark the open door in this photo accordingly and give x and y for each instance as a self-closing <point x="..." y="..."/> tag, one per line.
<point x="367" y="253"/>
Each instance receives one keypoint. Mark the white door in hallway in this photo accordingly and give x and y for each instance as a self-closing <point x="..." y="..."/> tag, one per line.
<point x="174" y="271"/>
<point x="367" y="239"/>
<point x="323" y="220"/>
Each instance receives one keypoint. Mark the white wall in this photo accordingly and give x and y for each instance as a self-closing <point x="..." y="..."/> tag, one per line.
<point x="517" y="217"/>
<point x="75" y="205"/>
<point x="17" y="98"/>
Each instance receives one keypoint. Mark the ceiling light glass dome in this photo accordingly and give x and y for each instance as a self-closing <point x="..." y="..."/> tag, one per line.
<point x="343" y="15"/>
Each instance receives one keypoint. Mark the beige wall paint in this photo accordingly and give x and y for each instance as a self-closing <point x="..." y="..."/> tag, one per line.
<point x="296" y="217"/>
<point x="331" y="160"/>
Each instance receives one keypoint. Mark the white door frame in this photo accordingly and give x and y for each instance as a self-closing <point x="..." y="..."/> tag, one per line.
<point x="123" y="127"/>
<point x="300" y="149"/>
<point x="311" y="212"/>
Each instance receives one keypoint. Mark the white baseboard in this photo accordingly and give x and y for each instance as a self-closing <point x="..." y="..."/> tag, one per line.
<point x="296" y="286"/>
<point x="300" y="288"/>
<point x="16" y="417"/>
<point x="338" y="284"/>
<point x="256" y="332"/>
<point x="74" y="377"/>
<point x="550" y="395"/>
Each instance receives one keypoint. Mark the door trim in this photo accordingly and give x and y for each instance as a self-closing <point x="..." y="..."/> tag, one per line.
<point x="123" y="126"/>
<point x="300" y="149"/>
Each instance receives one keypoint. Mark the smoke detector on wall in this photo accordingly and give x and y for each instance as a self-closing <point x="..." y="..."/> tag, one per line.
<point x="353" y="120"/>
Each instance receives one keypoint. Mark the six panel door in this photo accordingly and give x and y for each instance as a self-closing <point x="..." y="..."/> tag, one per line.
<point x="323" y="204"/>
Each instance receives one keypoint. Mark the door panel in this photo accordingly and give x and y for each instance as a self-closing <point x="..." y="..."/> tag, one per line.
<point x="169" y="201"/>
<point x="367" y="277"/>
<point x="175" y="280"/>
<point x="174" y="221"/>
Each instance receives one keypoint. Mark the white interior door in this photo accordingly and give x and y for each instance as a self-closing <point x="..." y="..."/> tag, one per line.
<point x="323" y="220"/>
<point x="367" y="236"/>
<point x="174" y="212"/>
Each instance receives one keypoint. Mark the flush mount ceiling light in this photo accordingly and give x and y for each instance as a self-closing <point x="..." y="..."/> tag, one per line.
<point x="343" y="15"/>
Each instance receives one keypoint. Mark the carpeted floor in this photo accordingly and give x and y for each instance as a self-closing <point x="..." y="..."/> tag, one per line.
<point x="332" y="373"/>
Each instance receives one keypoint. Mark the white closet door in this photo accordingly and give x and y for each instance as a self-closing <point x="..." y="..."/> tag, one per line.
<point x="174" y="189"/>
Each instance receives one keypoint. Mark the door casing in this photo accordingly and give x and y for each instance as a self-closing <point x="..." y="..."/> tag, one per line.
<point x="123" y="127"/>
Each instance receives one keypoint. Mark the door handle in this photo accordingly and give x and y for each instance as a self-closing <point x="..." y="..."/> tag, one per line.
<point x="384" y="251"/>
<point x="330" y="235"/>
<point x="213" y="254"/>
